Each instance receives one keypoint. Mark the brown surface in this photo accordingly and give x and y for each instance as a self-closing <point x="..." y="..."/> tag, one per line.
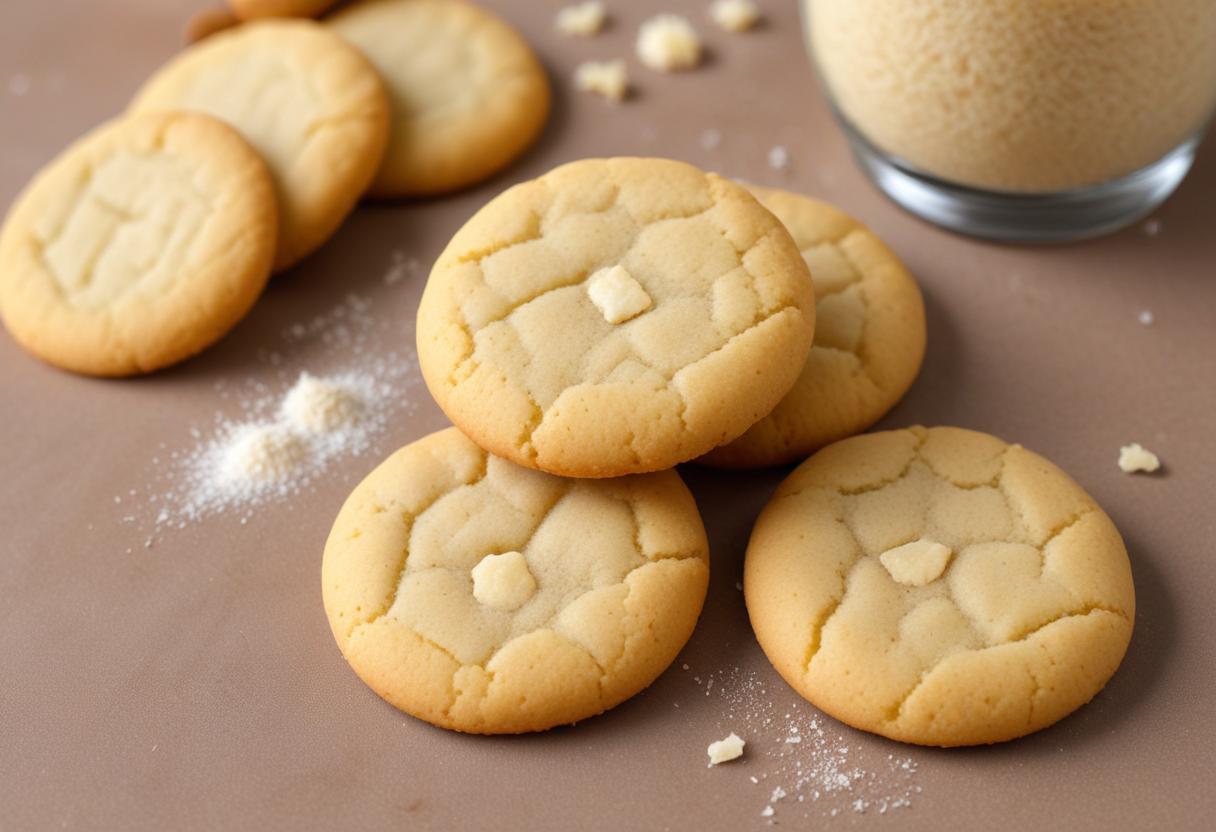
<point x="196" y="685"/>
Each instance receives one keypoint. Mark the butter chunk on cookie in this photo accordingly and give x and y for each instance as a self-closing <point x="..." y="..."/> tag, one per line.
<point x="617" y="295"/>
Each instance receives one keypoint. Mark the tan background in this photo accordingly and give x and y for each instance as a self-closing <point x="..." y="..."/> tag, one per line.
<point x="195" y="684"/>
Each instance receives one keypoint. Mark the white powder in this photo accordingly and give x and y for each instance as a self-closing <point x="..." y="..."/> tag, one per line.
<point x="319" y="405"/>
<point x="778" y="158"/>
<point x="1146" y="317"/>
<point x="19" y="84"/>
<point x="804" y="762"/>
<point x="279" y="431"/>
<point x="711" y="138"/>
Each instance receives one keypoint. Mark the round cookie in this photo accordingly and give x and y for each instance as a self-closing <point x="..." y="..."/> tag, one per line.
<point x="869" y="338"/>
<point x="939" y="587"/>
<point x="468" y="95"/>
<point x="614" y="317"/>
<point x="485" y="597"/>
<point x="252" y="9"/>
<point x="138" y="246"/>
<point x="306" y="100"/>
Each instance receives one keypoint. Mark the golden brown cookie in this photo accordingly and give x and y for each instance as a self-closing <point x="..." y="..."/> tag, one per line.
<point x="485" y="597"/>
<point x="309" y="103"/>
<point x="253" y="9"/>
<point x="869" y="338"/>
<point x="939" y="587"/>
<point x="615" y="316"/>
<point x="468" y="94"/>
<point x="138" y="246"/>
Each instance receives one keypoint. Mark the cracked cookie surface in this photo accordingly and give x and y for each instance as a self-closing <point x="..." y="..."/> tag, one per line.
<point x="308" y="102"/>
<point x="698" y="334"/>
<point x="138" y="246"/>
<point x="939" y="587"/>
<point x="468" y="95"/>
<point x="486" y="597"/>
<point x="869" y="338"/>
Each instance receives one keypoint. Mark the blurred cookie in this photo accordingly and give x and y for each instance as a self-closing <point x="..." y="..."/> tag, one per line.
<point x="210" y="21"/>
<point x="484" y="597"/>
<point x="939" y="587"/>
<point x="311" y="105"/>
<point x="614" y="317"/>
<point x="869" y="338"/>
<point x="138" y="246"/>
<point x="251" y="9"/>
<point x="468" y="94"/>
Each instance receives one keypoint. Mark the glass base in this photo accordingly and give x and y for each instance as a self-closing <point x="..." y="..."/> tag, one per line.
<point x="1031" y="217"/>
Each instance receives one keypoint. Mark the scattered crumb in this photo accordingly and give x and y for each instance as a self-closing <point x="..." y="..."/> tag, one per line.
<point x="686" y="667"/>
<point x="668" y="43"/>
<point x="582" y="19"/>
<point x="19" y="84"/>
<point x="778" y="158"/>
<point x="725" y="750"/>
<point x="1152" y="227"/>
<point x="739" y="585"/>
<point x="766" y="812"/>
<point x="1133" y="458"/>
<point x="606" y="78"/>
<point x="711" y="138"/>
<point x="401" y="268"/>
<point x="1146" y="317"/>
<point x="734" y="15"/>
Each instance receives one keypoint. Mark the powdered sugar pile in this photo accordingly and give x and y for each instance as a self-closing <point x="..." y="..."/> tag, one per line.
<point x="323" y="393"/>
<point x="809" y="767"/>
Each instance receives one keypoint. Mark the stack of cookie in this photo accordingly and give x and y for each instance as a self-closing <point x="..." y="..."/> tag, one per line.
<point x="541" y="562"/>
<point x="153" y="236"/>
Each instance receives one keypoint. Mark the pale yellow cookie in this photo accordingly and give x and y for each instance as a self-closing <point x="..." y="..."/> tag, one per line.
<point x="306" y="100"/>
<point x="869" y="338"/>
<point x="484" y="597"/>
<point x="138" y="246"/>
<point x="939" y="587"/>
<point x="468" y="94"/>
<point x="252" y="9"/>
<point x="614" y="317"/>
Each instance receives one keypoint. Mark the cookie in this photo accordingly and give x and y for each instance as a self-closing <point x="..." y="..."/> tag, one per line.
<point x="614" y="317"/>
<point x="138" y="246"/>
<point x="939" y="587"/>
<point x="869" y="338"/>
<point x="468" y="94"/>
<point x="251" y="9"/>
<point x="306" y="100"/>
<point x="488" y="598"/>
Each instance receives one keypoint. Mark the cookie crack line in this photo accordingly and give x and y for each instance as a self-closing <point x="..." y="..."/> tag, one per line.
<point x="895" y="712"/>
<point x="405" y="556"/>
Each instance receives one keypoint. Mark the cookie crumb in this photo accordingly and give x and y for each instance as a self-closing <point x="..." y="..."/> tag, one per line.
<point x="726" y="749"/>
<point x="734" y="15"/>
<point x="778" y="158"/>
<point x="1152" y="227"/>
<point x="617" y="295"/>
<point x="917" y="563"/>
<point x="582" y="19"/>
<point x="668" y="43"/>
<point x="19" y="84"/>
<point x="606" y="78"/>
<point x="766" y="812"/>
<point x="503" y="582"/>
<point x="1134" y="458"/>
<point x="711" y="138"/>
<point x="1146" y="317"/>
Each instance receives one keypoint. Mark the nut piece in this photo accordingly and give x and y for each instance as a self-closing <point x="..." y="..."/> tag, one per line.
<point x="725" y="750"/>
<point x="734" y="15"/>
<point x="617" y="295"/>
<point x="503" y="582"/>
<point x="606" y="78"/>
<point x="916" y="563"/>
<point x="667" y="43"/>
<point x="1133" y="458"/>
<point x="582" y="19"/>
